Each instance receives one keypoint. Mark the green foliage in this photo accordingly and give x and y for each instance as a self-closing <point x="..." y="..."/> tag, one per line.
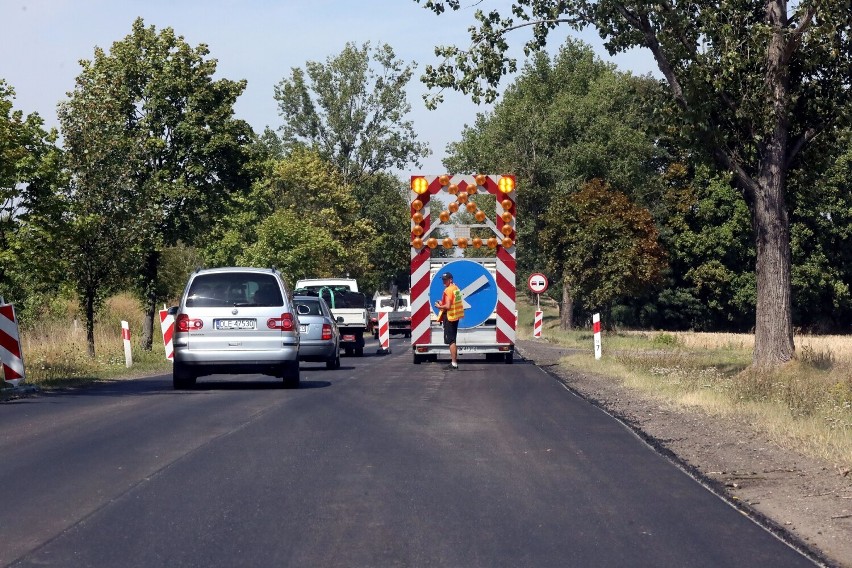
<point x="605" y="247"/>
<point x="352" y="109"/>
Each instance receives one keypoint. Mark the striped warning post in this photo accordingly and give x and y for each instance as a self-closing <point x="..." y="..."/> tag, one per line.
<point x="167" y="326"/>
<point x="596" y="330"/>
<point x="539" y="318"/>
<point x="506" y="269"/>
<point x="421" y="311"/>
<point x="11" y="356"/>
<point x="384" y="331"/>
<point x="125" y="335"/>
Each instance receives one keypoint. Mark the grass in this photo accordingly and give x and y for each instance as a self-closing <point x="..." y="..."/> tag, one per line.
<point x="55" y="351"/>
<point x="806" y="405"/>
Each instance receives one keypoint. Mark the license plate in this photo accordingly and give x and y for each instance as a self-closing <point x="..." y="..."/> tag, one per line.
<point x="348" y="338"/>
<point x="303" y="328"/>
<point x="235" y="324"/>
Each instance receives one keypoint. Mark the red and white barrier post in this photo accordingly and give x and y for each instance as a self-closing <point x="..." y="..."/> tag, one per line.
<point x="539" y="318"/>
<point x="11" y="355"/>
<point x="596" y="329"/>
<point x="167" y="325"/>
<point x="125" y="334"/>
<point x="384" y="331"/>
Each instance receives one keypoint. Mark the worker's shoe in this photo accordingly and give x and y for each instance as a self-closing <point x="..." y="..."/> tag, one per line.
<point x="452" y="367"/>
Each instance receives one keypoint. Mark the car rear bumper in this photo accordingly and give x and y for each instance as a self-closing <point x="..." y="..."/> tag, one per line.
<point x="319" y="351"/>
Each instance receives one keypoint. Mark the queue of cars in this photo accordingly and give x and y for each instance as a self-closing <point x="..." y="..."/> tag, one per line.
<point x="241" y="320"/>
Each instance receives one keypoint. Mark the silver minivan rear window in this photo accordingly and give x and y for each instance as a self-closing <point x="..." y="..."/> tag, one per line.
<point x="234" y="289"/>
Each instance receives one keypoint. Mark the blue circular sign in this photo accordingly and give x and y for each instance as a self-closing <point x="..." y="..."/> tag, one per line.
<point x="478" y="288"/>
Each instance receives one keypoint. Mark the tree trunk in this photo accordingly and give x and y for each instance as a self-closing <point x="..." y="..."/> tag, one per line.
<point x="773" y="332"/>
<point x="152" y="264"/>
<point x="89" y="302"/>
<point x="566" y="308"/>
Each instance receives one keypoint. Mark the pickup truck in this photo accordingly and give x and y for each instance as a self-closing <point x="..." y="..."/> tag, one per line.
<point x="399" y="317"/>
<point x="348" y="306"/>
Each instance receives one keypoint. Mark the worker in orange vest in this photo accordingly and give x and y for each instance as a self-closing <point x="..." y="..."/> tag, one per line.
<point x="451" y="304"/>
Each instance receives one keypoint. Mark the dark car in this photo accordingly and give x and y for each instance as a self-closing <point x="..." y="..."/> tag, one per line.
<point x="320" y="337"/>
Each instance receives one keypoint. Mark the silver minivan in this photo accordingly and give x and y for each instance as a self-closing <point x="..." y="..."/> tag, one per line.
<point x="236" y="320"/>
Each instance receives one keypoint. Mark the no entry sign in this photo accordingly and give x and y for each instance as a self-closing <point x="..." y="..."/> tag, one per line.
<point x="537" y="283"/>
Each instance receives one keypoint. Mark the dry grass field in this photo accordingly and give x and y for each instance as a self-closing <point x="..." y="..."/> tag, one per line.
<point x="806" y="405"/>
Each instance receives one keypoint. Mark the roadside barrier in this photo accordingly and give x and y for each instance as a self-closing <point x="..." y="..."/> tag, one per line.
<point x="539" y="319"/>
<point x="125" y="335"/>
<point x="596" y="330"/>
<point x="11" y="356"/>
<point x="384" y="331"/>
<point x="167" y="325"/>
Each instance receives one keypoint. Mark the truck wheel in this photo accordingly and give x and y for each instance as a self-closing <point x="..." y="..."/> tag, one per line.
<point x="348" y="351"/>
<point x="418" y="359"/>
<point x="509" y="358"/>
<point x="359" y="351"/>
<point x="407" y="334"/>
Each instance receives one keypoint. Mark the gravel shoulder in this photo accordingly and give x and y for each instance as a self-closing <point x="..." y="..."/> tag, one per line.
<point x="805" y="501"/>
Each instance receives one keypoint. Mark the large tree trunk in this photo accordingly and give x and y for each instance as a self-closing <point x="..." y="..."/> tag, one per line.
<point x="773" y="332"/>
<point x="566" y="308"/>
<point x="89" y="302"/>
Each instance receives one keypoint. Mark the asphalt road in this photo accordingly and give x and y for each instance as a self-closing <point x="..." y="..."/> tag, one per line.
<point x="379" y="463"/>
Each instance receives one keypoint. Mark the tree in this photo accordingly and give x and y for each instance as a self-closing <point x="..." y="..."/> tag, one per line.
<point x="30" y="172"/>
<point x="604" y="247"/>
<point x="180" y="150"/>
<point x="351" y="111"/>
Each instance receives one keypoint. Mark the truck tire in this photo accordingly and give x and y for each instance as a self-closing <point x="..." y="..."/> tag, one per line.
<point x="359" y="351"/>
<point x="418" y="359"/>
<point x="509" y="358"/>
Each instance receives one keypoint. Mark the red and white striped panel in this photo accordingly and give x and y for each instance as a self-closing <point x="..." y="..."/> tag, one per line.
<point x="384" y="331"/>
<point x="421" y="311"/>
<point x="506" y="319"/>
<point x="11" y="356"/>
<point x="167" y="325"/>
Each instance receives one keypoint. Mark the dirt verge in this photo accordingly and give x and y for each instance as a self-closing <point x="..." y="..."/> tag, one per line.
<point x="805" y="501"/>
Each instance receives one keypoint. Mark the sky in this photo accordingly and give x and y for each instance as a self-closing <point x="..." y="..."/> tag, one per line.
<point x="257" y="40"/>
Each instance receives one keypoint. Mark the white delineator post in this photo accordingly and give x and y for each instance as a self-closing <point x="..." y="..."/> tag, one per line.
<point x="11" y="355"/>
<point x="596" y="329"/>
<point x="539" y="317"/>
<point x="167" y="325"/>
<point x="125" y="334"/>
<point x="384" y="331"/>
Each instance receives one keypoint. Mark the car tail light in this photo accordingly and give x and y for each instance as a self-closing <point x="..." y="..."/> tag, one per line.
<point x="326" y="331"/>
<point x="284" y="323"/>
<point x="183" y="323"/>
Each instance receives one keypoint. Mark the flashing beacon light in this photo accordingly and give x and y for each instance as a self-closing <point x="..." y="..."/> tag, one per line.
<point x="417" y="243"/>
<point x="492" y="242"/>
<point x="419" y="185"/>
<point x="506" y="184"/>
<point x="432" y="242"/>
<point x="471" y="207"/>
<point x="453" y="189"/>
<point x="471" y="189"/>
<point x="462" y="242"/>
<point x="417" y="230"/>
<point x="477" y="242"/>
<point x="506" y="216"/>
<point x="448" y="243"/>
<point x="480" y="216"/>
<point x="453" y="207"/>
<point x="444" y="216"/>
<point x="462" y="198"/>
<point x="507" y="243"/>
<point x="444" y="179"/>
<point x="417" y="218"/>
<point x="507" y="204"/>
<point x="507" y="230"/>
<point x="417" y="205"/>
<point x="480" y="179"/>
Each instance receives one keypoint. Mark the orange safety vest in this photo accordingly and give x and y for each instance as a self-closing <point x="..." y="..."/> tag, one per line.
<point x="456" y="311"/>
